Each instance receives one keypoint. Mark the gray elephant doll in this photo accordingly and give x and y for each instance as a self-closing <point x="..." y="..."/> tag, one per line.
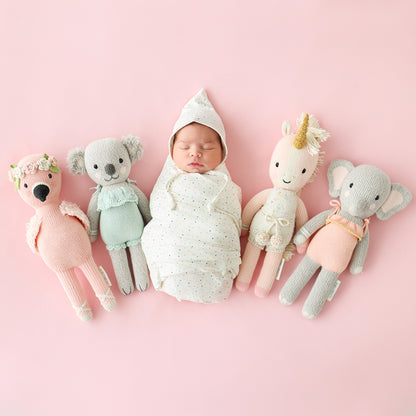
<point x="118" y="207"/>
<point x="343" y="235"/>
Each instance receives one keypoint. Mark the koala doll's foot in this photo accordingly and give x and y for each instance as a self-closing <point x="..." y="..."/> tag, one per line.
<point x="141" y="275"/>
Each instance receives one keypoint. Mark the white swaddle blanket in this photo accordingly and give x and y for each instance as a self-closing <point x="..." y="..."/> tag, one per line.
<point x="192" y="243"/>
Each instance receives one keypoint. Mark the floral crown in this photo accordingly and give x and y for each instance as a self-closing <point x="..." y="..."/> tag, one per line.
<point x="18" y="172"/>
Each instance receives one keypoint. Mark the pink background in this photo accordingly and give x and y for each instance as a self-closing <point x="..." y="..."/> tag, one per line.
<point x="77" y="71"/>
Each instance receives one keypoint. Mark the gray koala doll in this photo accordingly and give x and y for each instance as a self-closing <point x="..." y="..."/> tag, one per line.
<point x="343" y="235"/>
<point x="118" y="206"/>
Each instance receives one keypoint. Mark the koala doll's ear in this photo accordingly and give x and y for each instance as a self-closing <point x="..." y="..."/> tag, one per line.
<point x="337" y="172"/>
<point x="76" y="161"/>
<point x="398" y="199"/>
<point x="286" y="128"/>
<point x="134" y="147"/>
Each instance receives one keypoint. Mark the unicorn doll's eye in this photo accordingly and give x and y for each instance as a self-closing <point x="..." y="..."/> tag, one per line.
<point x="277" y="164"/>
<point x="303" y="170"/>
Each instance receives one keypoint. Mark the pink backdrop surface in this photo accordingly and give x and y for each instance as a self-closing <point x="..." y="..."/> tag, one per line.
<point x="77" y="71"/>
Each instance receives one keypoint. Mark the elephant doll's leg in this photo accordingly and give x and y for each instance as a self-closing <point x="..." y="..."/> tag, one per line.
<point x="75" y="294"/>
<point x="139" y="264"/>
<point x="268" y="274"/>
<point x="99" y="284"/>
<point x="322" y="288"/>
<point x="122" y="270"/>
<point x="248" y="265"/>
<point x="298" y="280"/>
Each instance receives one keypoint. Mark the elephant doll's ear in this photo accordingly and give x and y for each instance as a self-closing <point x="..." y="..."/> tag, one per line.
<point x="397" y="200"/>
<point x="76" y="161"/>
<point x="134" y="147"/>
<point x="337" y="172"/>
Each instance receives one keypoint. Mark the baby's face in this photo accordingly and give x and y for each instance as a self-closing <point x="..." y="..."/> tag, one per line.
<point x="197" y="149"/>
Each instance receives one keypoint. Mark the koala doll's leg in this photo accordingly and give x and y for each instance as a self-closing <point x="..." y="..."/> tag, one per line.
<point x="298" y="280"/>
<point x="322" y="288"/>
<point x="75" y="294"/>
<point x="99" y="284"/>
<point x="122" y="270"/>
<point x="268" y="274"/>
<point x="139" y="264"/>
<point x="248" y="265"/>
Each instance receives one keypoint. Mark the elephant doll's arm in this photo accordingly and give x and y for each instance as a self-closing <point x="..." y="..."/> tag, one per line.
<point x="359" y="255"/>
<point x="143" y="203"/>
<point x="93" y="216"/>
<point x="311" y="226"/>
<point x="253" y="206"/>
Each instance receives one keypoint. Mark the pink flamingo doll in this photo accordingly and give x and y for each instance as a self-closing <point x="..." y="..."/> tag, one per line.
<point x="271" y="214"/>
<point x="59" y="231"/>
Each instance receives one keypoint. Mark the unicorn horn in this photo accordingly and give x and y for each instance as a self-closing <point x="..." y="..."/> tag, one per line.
<point x="300" y="138"/>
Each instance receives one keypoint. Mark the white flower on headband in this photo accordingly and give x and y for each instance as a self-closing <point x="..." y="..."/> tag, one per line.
<point x="18" y="172"/>
<point x="44" y="164"/>
<point x="31" y="167"/>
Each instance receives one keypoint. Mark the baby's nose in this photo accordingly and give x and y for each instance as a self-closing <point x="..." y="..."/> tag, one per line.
<point x="195" y="152"/>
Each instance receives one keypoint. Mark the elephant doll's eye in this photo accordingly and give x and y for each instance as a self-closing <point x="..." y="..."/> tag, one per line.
<point x="351" y="184"/>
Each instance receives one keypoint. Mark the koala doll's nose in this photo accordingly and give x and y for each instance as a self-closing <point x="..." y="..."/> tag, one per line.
<point x="41" y="192"/>
<point x="110" y="169"/>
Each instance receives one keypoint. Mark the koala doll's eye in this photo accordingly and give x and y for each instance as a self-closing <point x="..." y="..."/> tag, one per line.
<point x="303" y="170"/>
<point x="25" y="185"/>
<point x="120" y="160"/>
<point x="377" y="197"/>
<point x="351" y="184"/>
<point x="50" y="176"/>
<point x="95" y="166"/>
<point x="277" y="164"/>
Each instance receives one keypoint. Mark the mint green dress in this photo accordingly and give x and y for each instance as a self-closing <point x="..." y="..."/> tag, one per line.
<point x="121" y="223"/>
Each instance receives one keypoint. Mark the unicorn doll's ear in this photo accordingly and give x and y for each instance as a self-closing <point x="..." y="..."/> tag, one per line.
<point x="286" y="128"/>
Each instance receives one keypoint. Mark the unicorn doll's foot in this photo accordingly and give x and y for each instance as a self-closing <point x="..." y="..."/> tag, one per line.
<point x="107" y="300"/>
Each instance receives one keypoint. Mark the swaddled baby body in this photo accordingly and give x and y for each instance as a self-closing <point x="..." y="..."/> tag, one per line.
<point x="192" y="243"/>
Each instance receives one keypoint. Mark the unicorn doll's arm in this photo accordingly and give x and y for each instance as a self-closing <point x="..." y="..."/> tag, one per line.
<point x="359" y="255"/>
<point x="253" y="206"/>
<point x="311" y="226"/>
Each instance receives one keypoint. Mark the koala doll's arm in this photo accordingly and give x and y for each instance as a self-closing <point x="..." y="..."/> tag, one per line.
<point x="311" y="226"/>
<point x="359" y="255"/>
<point x="93" y="216"/>
<point x="253" y="206"/>
<point x="143" y="203"/>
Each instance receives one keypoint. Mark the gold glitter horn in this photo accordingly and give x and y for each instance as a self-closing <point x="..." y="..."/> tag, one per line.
<point x="300" y="138"/>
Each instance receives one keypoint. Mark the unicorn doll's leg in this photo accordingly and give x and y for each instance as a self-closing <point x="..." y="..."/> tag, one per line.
<point x="99" y="284"/>
<point x="322" y="288"/>
<point x="122" y="270"/>
<point x="248" y="265"/>
<point x="139" y="264"/>
<point x="268" y="274"/>
<point x="75" y="294"/>
<point x="298" y="280"/>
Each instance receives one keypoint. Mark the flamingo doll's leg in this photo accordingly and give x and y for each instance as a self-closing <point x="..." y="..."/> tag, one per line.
<point x="75" y="294"/>
<point x="322" y="288"/>
<point x="138" y="261"/>
<point x="298" y="280"/>
<point x="122" y="270"/>
<point x="248" y="264"/>
<point x="268" y="274"/>
<point x="99" y="284"/>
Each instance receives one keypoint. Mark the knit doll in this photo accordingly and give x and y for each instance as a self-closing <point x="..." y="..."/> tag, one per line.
<point x="59" y="231"/>
<point x="342" y="235"/>
<point x="272" y="215"/>
<point x="192" y="243"/>
<point x="118" y="208"/>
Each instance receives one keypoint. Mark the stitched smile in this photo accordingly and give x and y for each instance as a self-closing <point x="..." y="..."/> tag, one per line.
<point x="113" y="177"/>
<point x="285" y="181"/>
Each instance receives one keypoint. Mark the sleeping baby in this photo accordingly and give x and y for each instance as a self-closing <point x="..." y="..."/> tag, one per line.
<point x="192" y="243"/>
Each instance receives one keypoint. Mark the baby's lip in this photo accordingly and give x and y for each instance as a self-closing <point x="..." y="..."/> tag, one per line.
<point x="196" y="164"/>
